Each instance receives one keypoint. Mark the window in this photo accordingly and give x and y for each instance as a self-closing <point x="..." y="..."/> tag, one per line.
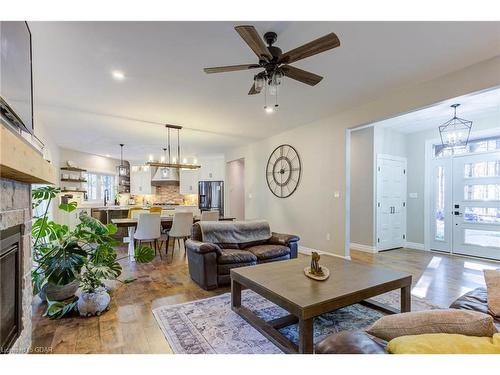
<point x="440" y="215"/>
<point x="97" y="184"/>
<point x="474" y="146"/>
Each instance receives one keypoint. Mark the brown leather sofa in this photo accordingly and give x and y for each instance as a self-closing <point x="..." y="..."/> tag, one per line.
<point x="210" y="262"/>
<point x="360" y="342"/>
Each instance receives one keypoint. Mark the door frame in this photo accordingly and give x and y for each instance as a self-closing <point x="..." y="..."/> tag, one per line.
<point x="376" y="191"/>
<point x="427" y="178"/>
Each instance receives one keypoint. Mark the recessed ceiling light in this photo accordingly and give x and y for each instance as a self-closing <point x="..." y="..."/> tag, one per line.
<point x="108" y="155"/>
<point x="118" y="75"/>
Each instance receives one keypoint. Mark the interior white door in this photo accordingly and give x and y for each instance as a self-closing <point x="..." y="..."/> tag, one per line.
<point x="476" y="205"/>
<point x="391" y="202"/>
<point x="441" y="230"/>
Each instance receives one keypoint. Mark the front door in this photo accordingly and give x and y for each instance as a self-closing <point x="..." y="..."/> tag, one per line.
<point x="476" y="205"/>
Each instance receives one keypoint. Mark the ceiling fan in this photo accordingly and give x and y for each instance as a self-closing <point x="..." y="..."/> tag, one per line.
<point x="276" y="63"/>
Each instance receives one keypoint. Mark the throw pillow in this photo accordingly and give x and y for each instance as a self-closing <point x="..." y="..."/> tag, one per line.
<point x="492" y="278"/>
<point x="469" y="323"/>
<point x="443" y="343"/>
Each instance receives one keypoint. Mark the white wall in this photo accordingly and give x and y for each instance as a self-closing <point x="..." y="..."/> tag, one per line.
<point x="51" y="152"/>
<point x="235" y="175"/>
<point x="91" y="162"/>
<point x="362" y="185"/>
<point x="389" y="141"/>
<point x="312" y="212"/>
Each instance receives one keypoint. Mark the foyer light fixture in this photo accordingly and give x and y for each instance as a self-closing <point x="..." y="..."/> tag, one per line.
<point x="172" y="162"/>
<point x="456" y="131"/>
<point x="122" y="168"/>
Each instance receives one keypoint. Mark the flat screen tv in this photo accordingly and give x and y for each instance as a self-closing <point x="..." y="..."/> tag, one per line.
<point x="16" y="83"/>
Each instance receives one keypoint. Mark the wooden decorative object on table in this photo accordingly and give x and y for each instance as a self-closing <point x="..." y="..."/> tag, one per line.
<point x="315" y="271"/>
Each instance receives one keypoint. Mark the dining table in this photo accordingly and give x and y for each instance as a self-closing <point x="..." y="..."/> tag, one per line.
<point x="166" y="223"/>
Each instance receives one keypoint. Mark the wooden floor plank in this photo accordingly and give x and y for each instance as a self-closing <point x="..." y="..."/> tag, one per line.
<point x="129" y="325"/>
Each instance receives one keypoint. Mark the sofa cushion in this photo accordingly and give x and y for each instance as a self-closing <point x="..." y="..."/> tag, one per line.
<point x="230" y="256"/>
<point x="444" y="343"/>
<point x="225" y="269"/>
<point x="245" y="245"/>
<point x="492" y="278"/>
<point x="268" y="251"/>
<point x="350" y="342"/>
<point x="469" y="323"/>
<point x="234" y="232"/>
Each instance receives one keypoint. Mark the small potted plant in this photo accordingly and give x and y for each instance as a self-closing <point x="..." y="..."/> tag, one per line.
<point x="94" y="298"/>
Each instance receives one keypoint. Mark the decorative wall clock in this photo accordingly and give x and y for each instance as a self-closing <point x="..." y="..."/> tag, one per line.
<point x="283" y="171"/>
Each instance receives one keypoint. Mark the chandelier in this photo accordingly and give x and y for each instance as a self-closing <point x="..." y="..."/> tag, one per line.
<point x="455" y="132"/>
<point x="166" y="161"/>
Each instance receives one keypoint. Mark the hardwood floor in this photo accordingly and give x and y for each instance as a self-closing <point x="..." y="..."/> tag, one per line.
<point x="129" y="325"/>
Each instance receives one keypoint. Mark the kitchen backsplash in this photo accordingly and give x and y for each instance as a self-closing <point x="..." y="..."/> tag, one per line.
<point x="168" y="193"/>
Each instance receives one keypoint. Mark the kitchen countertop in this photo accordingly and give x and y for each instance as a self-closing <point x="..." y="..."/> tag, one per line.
<point x="118" y="208"/>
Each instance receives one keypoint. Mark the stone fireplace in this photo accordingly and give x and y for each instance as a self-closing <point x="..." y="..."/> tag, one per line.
<point x="21" y="165"/>
<point x="15" y="256"/>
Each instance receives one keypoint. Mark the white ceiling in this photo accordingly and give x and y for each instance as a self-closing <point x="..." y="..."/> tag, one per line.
<point x="472" y="107"/>
<point x="87" y="110"/>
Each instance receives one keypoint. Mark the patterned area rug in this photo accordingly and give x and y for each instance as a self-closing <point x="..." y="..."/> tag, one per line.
<point x="210" y="326"/>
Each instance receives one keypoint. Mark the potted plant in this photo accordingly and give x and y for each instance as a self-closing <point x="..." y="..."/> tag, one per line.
<point x="67" y="259"/>
<point x="94" y="298"/>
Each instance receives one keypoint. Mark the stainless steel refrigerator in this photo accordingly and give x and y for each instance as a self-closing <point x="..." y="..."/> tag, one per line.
<point x="211" y="196"/>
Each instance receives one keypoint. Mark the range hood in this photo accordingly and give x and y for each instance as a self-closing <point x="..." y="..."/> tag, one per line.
<point x="165" y="176"/>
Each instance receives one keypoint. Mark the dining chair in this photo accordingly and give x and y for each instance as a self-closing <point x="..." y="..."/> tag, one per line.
<point x="136" y="213"/>
<point x="148" y="229"/>
<point x="167" y="212"/>
<point x="180" y="230"/>
<point x="210" y="216"/>
<point x="131" y="210"/>
<point x="155" y="210"/>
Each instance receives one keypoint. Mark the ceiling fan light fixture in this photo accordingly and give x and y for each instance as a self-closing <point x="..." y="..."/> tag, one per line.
<point x="259" y="82"/>
<point x="276" y="78"/>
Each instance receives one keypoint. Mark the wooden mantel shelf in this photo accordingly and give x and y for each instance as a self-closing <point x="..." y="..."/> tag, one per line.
<point x="21" y="162"/>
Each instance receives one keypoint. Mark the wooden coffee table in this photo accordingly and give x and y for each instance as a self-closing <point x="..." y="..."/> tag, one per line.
<point x="285" y="284"/>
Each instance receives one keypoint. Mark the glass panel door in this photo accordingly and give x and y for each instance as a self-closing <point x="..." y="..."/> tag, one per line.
<point x="476" y="205"/>
<point x="441" y="201"/>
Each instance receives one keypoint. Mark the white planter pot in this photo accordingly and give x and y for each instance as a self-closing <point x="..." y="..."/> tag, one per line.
<point x="93" y="303"/>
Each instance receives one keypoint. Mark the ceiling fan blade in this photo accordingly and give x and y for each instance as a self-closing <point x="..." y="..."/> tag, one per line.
<point x="254" y="41"/>
<point x="253" y="90"/>
<point x="319" y="45"/>
<point x="301" y="75"/>
<point x="230" y="68"/>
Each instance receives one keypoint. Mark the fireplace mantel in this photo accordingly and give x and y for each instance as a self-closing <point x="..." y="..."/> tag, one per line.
<point x="19" y="161"/>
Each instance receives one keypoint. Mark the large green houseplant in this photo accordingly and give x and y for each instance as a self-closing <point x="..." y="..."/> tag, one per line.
<point x="84" y="256"/>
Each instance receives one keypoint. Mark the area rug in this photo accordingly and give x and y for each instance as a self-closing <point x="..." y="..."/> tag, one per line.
<point x="209" y="326"/>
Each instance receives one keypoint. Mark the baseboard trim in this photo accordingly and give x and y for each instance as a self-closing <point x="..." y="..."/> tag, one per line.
<point x="361" y="247"/>
<point x="307" y="251"/>
<point x="414" y="245"/>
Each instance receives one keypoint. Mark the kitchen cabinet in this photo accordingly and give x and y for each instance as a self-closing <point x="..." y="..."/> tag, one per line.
<point x="72" y="219"/>
<point x="188" y="181"/>
<point x="140" y="180"/>
<point x="212" y="169"/>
